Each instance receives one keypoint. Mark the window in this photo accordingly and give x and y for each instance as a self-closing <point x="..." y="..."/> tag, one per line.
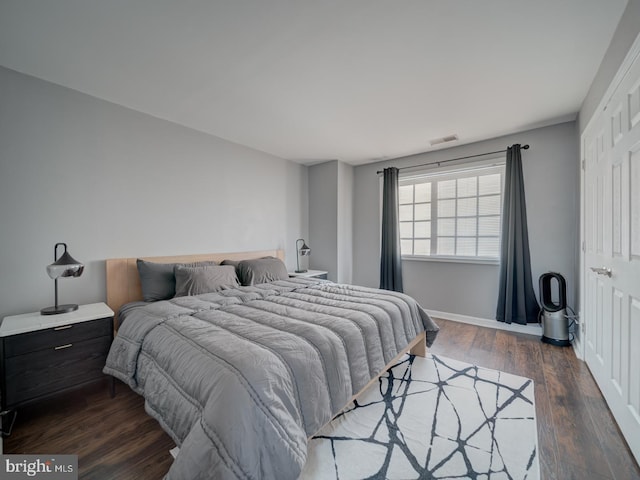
<point x="453" y="214"/>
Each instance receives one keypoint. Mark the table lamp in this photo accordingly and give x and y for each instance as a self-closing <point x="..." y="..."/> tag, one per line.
<point x="301" y="251"/>
<point x="63" y="266"/>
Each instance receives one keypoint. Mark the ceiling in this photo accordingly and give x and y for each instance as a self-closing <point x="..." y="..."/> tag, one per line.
<point x="314" y="80"/>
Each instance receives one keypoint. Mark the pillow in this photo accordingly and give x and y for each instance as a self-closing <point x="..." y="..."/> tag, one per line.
<point x="204" y="279"/>
<point x="158" y="281"/>
<point x="235" y="263"/>
<point x="261" y="270"/>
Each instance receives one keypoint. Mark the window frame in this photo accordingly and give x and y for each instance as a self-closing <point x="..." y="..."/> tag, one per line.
<point x="475" y="169"/>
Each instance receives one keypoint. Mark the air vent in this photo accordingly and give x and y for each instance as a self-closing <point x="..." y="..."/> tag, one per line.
<point x="448" y="138"/>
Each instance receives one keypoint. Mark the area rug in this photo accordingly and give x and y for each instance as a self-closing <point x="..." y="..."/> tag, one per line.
<point x="434" y="418"/>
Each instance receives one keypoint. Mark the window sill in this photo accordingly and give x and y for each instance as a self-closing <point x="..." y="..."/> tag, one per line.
<point x="442" y="258"/>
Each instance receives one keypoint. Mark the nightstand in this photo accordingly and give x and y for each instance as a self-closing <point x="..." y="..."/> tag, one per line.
<point x="43" y="355"/>
<point x="310" y="274"/>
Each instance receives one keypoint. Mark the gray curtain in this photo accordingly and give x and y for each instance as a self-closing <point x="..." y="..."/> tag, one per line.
<point x="516" y="299"/>
<point x="390" y="259"/>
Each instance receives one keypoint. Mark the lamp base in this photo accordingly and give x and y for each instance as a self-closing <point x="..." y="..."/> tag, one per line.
<point x="301" y="271"/>
<point x="59" y="309"/>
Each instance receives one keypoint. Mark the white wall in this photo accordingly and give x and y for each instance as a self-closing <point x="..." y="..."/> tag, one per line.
<point x="551" y="173"/>
<point x="112" y="182"/>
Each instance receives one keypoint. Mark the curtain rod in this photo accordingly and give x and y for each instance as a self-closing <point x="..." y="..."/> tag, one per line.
<point x="524" y="147"/>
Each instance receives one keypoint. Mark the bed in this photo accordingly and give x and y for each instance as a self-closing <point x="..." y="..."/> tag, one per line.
<point x="240" y="377"/>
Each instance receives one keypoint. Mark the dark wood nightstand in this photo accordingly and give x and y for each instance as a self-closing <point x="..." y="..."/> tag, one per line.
<point x="46" y="355"/>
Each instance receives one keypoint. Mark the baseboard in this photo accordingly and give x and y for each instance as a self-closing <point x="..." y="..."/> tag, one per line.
<point x="531" y="329"/>
<point x="577" y="348"/>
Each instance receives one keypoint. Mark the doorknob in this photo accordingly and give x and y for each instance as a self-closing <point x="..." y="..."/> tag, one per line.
<point x="602" y="271"/>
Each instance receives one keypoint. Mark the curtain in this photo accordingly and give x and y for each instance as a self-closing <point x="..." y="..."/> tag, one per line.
<point x="390" y="259"/>
<point x="516" y="298"/>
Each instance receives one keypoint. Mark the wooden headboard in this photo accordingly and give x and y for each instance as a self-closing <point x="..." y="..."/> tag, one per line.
<point x="123" y="282"/>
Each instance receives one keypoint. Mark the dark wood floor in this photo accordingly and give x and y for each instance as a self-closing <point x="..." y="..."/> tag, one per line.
<point x="578" y="438"/>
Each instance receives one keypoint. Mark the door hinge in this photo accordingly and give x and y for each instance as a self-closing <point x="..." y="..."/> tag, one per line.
<point x="583" y="247"/>
<point x="583" y="164"/>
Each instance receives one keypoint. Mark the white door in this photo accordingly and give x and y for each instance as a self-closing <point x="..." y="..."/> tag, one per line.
<point x="611" y="269"/>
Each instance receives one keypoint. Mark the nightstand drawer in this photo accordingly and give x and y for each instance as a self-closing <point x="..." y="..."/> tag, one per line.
<point x="47" y="371"/>
<point x="56" y="336"/>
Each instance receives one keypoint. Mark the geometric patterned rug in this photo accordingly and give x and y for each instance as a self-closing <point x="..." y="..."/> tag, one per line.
<point x="434" y="418"/>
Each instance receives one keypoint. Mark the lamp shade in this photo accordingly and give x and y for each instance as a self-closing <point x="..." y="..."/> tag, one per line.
<point x="304" y="250"/>
<point x="65" y="266"/>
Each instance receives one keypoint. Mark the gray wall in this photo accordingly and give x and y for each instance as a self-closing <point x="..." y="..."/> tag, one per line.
<point x="624" y="36"/>
<point x="112" y="182"/>
<point x="345" y="222"/>
<point x="551" y="172"/>
<point x="331" y="219"/>
<point x="323" y="227"/>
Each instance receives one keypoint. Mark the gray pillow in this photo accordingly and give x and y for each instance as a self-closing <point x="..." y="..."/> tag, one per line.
<point x="261" y="270"/>
<point x="235" y="263"/>
<point x="204" y="279"/>
<point x="158" y="281"/>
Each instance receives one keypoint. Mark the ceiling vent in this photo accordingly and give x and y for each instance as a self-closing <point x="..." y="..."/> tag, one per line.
<point x="448" y="138"/>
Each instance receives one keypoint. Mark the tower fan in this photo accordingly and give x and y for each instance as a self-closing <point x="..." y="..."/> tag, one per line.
<point x="555" y="323"/>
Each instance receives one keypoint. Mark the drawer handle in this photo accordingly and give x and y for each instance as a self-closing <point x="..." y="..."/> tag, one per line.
<point x="62" y="347"/>
<point x="63" y="328"/>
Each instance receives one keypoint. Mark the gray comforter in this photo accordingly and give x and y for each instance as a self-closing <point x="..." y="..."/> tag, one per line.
<point x="241" y="378"/>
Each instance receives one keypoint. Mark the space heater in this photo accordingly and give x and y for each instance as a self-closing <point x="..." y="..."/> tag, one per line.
<point x="555" y="322"/>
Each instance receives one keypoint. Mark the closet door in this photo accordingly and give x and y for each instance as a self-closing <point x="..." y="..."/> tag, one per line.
<point x="611" y="268"/>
